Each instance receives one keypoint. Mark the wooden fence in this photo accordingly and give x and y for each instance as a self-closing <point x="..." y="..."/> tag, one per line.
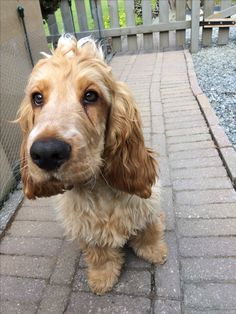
<point x="175" y="16"/>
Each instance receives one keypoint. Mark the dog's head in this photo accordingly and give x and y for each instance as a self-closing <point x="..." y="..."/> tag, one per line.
<point x="78" y="123"/>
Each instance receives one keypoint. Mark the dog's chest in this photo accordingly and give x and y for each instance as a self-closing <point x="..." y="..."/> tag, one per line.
<point x="104" y="218"/>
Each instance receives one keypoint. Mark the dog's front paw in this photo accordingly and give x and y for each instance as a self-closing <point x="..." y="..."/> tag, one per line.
<point x="103" y="279"/>
<point x="154" y="253"/>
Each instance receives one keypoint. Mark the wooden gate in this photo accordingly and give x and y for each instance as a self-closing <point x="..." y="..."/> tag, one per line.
<point x="161" y="22"/>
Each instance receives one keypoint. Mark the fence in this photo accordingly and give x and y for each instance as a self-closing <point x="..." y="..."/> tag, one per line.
<point x="15" y="69"/>
<point x="119" y="19"/>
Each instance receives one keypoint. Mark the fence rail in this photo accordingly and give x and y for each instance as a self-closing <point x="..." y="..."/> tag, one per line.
<point x="118" y="19"/>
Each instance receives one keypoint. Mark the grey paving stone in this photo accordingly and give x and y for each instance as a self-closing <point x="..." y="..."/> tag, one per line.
<point x="203" y="228"/>
<point x="207" y="172"/>
<point x="193" y="154"/>
<point x="156" y="110"/>
<point x="167" y="307"/>
<point x="134" y="282"/>
<point x="191" y="311"/>
<point x="133" y="261"/>
<point x="21" y="289"/>
<point x="107" y="304"/>
<point x="31" y="213"/>
<point x="206" y="197"/>
<point x="208" y="247"/>
<point x="159" y="144"/>
<point x="42" y="229"/>
<point x="187" y="131"/>
<point x="197" y="162"/>
<point x="158" y="124"/>
<point x="188" y="138"/>
<point x="164" y="171"/>
<point x="167" y="276"/>
<point x="41" y="202"/>
<point x="202" y="184"/>
<point x="30" y="246"/>
<point x="210" y="296"/>
<point x="80" y="282"/>
<point x="181" y="108"/>
<point x="183" y="125"/>
<point x="66" y="263"/>
<point x="209" y="269"/>
<point x="168" y="207"/>
<point x="11" y="307"/>
<point x="54" y="300"/>
<point x="206" y="211"/>
<point x="190" y="146"/>
<point x="27" y="266"/>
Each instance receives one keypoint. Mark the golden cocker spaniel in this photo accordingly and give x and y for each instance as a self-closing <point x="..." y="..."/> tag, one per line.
<point x="82" y="140"/>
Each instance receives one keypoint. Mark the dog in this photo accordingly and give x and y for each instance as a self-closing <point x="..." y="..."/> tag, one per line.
<point x="83" y="141"/>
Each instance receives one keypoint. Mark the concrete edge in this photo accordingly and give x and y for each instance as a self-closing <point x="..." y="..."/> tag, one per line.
<point x="9" y="210"/>
<point x="225" y="148"/>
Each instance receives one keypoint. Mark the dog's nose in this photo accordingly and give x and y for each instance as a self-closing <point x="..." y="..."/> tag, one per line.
<point x="50" y="154"/>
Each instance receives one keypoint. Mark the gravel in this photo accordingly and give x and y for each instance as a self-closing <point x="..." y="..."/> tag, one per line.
<point x="216" y="71"/>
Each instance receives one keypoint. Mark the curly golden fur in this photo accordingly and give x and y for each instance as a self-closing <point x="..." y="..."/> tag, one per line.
<point x="105" y="189"/>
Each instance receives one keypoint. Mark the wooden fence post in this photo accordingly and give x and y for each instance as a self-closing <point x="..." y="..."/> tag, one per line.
<point x="115" y="23"/>
<point x="147" y="20"/>
<point x="223" y="36"/>
<point x="180" y="16"/>
<point x="81" y="15"/>
<point x="66" y="17"/>
<point x="209" y="6"/>
<point x="130" y="21"/>
<point x="164" y="17"/>
<point x="195" y="25"/>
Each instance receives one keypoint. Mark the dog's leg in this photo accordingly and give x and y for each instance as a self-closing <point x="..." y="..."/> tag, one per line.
<point x="149" y="243"/>
<point x="104" y="266"/>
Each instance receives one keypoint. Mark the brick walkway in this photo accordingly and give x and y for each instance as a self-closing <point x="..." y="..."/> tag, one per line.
<point x="44" y="273"/>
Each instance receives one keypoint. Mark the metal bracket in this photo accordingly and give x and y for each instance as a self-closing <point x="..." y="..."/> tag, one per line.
<point x="223" y="22"/>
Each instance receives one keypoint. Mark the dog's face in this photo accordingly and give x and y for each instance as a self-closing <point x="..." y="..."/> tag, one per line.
<point x="77" y="121"/>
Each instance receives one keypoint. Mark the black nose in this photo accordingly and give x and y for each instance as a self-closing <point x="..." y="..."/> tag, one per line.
<point x="50" y="154"/>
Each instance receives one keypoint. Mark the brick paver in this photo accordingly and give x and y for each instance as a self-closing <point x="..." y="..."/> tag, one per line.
<point x="42" y="272"/>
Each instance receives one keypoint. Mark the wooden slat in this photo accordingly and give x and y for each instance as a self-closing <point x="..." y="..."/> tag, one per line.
<point x="223" y="36"/>
<point x="195" y="26"/>
<point x="133" y="30"/>
<point x="164" y="17"/>
<point x="114" y="20"/>
<point x="52" y="24"/>
<point x="66" y="17"/>
<point x="224" y="13"/>
<point x="97" y="14"/>
<point x="209" y="6"/>
<point x="81" y="15"/>
<point x="130" y="21"/>
<point x="147" y="20"/>
<point x="180" y="16"/>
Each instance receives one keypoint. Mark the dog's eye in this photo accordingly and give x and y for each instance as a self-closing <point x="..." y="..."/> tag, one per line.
<point x="37" y="99"/>
<point x="90" y="97"/>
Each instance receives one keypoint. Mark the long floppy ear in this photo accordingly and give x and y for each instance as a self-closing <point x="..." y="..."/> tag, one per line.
<point x="128" y="165"/>
<point x="32" y="189"/>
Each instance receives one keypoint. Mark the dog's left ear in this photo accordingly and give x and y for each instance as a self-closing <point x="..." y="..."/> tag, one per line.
<point x="30" y="188"/>
<point x="128" y="165"/>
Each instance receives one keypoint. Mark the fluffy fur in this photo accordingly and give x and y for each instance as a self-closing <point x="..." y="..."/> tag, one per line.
<point x="105" y="190"/>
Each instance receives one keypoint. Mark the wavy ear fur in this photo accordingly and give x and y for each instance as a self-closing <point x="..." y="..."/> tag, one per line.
<point x="129" y="166"/>
<point x="32" y="189"/>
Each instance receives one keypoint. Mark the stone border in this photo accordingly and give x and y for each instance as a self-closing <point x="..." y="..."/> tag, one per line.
<point x="9" y="209"/>
<point x="225" y="148"/>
